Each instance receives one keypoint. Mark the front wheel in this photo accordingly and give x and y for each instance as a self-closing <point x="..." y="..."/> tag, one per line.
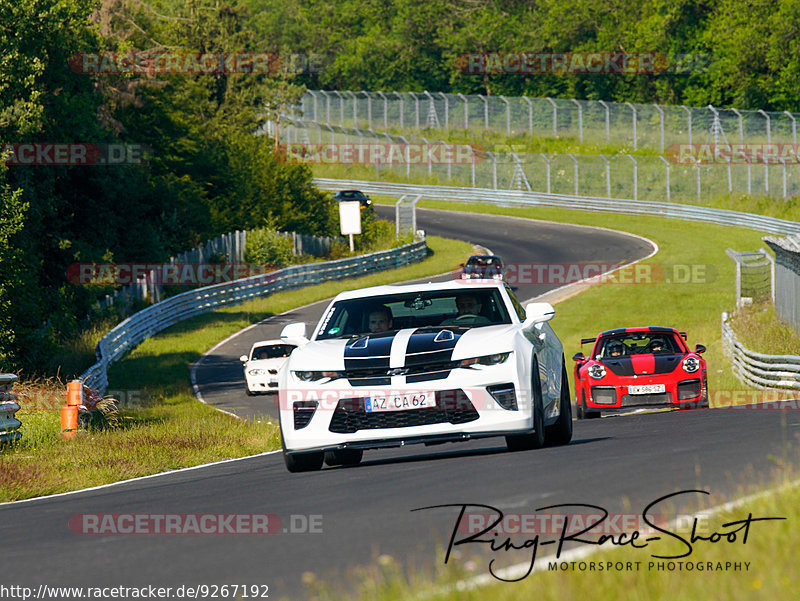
<point x="303" y="462"/>
<point x="561" y="431"/>
<point x="535" y="440"/>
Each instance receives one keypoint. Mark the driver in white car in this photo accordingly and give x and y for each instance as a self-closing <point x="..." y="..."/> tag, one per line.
<point x="469" y="308"/>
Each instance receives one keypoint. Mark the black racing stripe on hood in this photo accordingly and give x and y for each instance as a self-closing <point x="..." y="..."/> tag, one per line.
<point x="666" y="363"/>
<point x="423" y="348"/>
<point x="369" y="352"/>
<point x="619" y="366"/>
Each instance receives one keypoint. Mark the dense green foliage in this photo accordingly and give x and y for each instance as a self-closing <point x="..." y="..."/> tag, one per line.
<point x="205" y="172"/>
<point x="748" y="50"/>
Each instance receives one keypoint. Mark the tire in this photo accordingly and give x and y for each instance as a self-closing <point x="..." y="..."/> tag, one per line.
<point x="583" y="413"/>
<point x="303" y="462"/>
<point x="534" y="440"/>
<point x="249" y="392"/>
<point x="561" y="431"/>
<point x="344" y="457"/>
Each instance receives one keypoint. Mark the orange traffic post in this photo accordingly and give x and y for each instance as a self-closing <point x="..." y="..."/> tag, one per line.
<point x="74" y="393"/>
<point x="69" y="421"/>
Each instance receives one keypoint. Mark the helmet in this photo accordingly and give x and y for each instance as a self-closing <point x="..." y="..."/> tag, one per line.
<point x="615" y="347"/>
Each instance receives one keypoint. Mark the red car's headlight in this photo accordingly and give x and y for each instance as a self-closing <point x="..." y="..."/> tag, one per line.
<point x="691" y="364"/>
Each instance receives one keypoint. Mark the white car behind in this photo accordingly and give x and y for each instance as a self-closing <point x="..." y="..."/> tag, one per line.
<point x="262" y="363"/>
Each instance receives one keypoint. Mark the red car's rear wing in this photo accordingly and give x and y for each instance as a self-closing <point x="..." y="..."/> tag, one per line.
<point x="588" y="340"/>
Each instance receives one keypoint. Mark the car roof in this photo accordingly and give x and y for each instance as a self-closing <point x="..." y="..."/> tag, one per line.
<point x="653" y="329"/>
<point x="456" y="285"/>
<point x="484" y="258"/>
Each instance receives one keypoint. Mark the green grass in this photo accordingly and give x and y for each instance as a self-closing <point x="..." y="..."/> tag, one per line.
<point x="759" y="329"/>
<point x="769" y="550"/>
<point x="166" y="428"/>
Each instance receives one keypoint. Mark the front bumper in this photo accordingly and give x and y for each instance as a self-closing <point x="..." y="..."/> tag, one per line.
<point x="262" y="383"/>
<point x="687" y="392"/>
<point x="334" y="415"/>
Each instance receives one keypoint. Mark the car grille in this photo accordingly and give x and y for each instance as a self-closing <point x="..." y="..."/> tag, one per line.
<point x="662" y="398"/>
<point x="452" y="406"/>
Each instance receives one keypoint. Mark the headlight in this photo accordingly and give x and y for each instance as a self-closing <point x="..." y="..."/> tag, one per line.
<point x="597" y="371"/>
<point x="314" y="376"/>
<point x="691" y="365"/>
<point x="485" y="360"/>
<point x="256" y="372"/>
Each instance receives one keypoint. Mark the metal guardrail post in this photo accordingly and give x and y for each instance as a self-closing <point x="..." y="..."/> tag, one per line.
<point x="9" y="424"/>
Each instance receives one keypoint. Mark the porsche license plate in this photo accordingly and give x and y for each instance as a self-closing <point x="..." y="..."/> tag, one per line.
<point x="647" y="389"/>
<point x="400" y="402"/>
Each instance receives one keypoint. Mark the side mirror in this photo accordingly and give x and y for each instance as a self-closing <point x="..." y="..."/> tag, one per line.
<point x="699" y="349"/>
<point x="578" y="357"/>
<point x="243" y="358"/>
<point x="294" y="331"/>
<point x="538" y="313"/>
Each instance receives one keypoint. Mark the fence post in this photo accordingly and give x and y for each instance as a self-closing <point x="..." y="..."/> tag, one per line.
<point x="369" y="108"/>
<point x="472" y="164"/>
<point x="555" y="116"/>
<point x="508" y="114"/>
<point x="666" y="164"/>
<point x="633" y="110"/>
<point x="794" y="128"/>
<point x="530" y="114"/>
<point x="446" y="110"/>
<point x="494" y="169"/>
<point x="341" y="107"/>
<point x="416" y="109"/>
<point x="608" y="119"/>
<point x="635" y="177"/>
<point x="574" y="172"/>
<point x="580" y="120"/>
<point x="400" y="96"/>
<point x="547" y="170"/>
<point x="355" y="107"/>
<point x="385" y="109"/>
<point x="485" y="112"/>
<point x="314" y="98"/>
<point x="689" y="115"/>
<point x="769" y="138"/>
<point x="466" y="110"/>
<point x="661" y="124"/>
<point x="697" y="176"/>
<point x="428" y="145"/>
<point x="766" y="175"/>
<point x="608" y="175"/>
<point x="327" y="106"/>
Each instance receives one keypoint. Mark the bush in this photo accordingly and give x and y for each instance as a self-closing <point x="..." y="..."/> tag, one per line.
<point x="266" y="247"/>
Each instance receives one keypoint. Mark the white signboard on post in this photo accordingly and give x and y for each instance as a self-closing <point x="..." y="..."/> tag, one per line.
<point x="350" y="218"/>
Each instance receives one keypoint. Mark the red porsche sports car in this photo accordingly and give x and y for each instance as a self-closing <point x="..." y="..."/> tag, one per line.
<point x="631" y="368"/>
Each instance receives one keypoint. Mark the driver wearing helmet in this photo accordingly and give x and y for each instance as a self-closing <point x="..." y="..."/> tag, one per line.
<point x="468" y="307"/>
<point x="615" y="349"/>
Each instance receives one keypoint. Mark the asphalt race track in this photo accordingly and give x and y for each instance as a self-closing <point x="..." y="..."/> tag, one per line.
<point x="620" y="463"/>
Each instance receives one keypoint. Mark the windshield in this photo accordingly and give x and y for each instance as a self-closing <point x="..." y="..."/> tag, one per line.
<point x="273" y="351"/>
<point x="448" y="308"/>
<point x="637" y="343"/>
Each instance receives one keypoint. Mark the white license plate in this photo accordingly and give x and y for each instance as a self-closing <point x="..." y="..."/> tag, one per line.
<point x="400" y="402"/>
<point x="647" y="389"/>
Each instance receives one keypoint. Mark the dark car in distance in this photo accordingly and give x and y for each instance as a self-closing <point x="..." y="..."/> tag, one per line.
<point x="349" y="195"/>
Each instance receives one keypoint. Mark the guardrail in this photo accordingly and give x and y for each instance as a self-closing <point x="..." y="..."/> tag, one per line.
<point x="151" y="320"/>
<point x="9" y="423"/>
<point x="757" y="369"/>
<point x="760" y="223"/>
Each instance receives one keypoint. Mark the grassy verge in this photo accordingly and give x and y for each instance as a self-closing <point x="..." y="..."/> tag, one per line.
<point x="770" y="573"/>
<point x="164" y="427"/>
<point x="760" y="330"/>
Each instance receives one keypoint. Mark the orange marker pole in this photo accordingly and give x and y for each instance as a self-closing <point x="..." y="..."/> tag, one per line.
<point x="74" y="393"/>
<point x="69" y="421"/>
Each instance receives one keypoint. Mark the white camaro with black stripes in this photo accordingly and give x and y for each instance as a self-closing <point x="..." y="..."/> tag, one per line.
<point x="423" y="363"/>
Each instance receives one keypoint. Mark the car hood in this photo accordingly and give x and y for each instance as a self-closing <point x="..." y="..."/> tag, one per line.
<point x="404" y="348"/>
